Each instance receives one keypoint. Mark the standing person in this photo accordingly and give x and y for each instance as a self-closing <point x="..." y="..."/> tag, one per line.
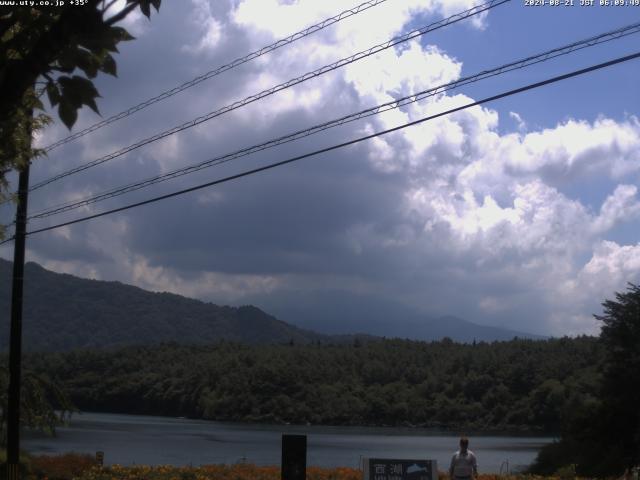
<point x="464" y="465"/>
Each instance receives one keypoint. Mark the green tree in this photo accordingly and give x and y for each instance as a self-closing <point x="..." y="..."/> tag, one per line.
<point x="55" y="51"/>
<point x="620" y="393"/>
<point x="43" y="404"/>
<point x="602" y="435"/>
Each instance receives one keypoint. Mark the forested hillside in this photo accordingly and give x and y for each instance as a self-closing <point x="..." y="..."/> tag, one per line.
<point x="521" y="384"/>
<point x="63" y="312"/>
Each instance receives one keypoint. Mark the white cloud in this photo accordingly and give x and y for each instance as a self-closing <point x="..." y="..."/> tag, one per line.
<point x="451" y="7"/>
<point x="450" y="212"/>
<point x="539" y="219"/>
<point x="491" y="305"/>
<point x="611" y="265"/>
<point x="204" y="285"/>
<point x="401" y="73"/>
<point x="621" y="205"/>
<point x="577" y="148"/>
<point x="83" y="270"/>
<point x="522" y="125"/>
<point x="209" y="29"/>
<point x="135" y="22"/>
<point x="357" y="32"/>
<point x="166" y="153"/>
<point x="580" y="295"/>
<point x="522" y="228"/>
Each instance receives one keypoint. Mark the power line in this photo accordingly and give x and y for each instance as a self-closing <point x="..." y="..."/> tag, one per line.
<point x="345" y="144"/>
<point x="522" y="63"/>
<point x="217" y="71"/>
<point x="295" y="81"/>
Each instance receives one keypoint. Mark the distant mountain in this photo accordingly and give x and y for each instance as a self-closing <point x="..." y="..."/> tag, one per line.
<point x="63" y="312"/>
<point x="336" y="312"/>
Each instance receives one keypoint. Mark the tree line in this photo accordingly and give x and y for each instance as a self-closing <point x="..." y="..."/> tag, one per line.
<point x="586" y="389"/>
<point x="516" y="385"/>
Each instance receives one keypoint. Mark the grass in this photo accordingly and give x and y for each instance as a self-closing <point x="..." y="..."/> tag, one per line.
<point x="74" y="466"/>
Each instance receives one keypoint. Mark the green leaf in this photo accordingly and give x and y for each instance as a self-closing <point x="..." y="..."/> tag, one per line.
<point x="156" y="4"/>
<point x="91" y="103"/>
<point x="109" y="65"/>
<point x="38" y="104"/>
<point x="88" y="62"/>
<point x="105" y="38"/>
<point x="68" y="113"/>
<point x="120" y="34"/>
<point x="78" y="91"/>
<point x="68" y="59"/>
<point x="145" y="8"/>
<point x="110" y="38"/>
<point x="68" y="93"/>
<point x="53" y="93"/>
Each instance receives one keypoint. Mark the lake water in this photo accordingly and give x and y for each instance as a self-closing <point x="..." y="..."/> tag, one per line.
<point x="134" y="439"/>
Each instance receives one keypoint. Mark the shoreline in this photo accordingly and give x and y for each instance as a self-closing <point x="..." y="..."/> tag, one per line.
<point x="154" y="440"/>
<point x="268" y="424"/>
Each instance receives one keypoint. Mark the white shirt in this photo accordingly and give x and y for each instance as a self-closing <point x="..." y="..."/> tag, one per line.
<point x="463" y="465"/>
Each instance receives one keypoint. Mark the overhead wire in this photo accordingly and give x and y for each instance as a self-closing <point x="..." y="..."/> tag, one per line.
<point x="508" y="93"/>
<point x="217" y="71"/>
<point x="270" y="91"/>
<point x="396" y="103"/>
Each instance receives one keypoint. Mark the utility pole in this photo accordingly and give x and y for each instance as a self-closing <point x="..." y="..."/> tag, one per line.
<point x="15" y="342"/>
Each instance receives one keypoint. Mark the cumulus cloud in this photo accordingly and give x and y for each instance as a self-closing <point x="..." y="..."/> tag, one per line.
<point x="451" y="215"/>
<point x="576" y="149"/>
<point x="521" y="124"/>
<point x="621" y="205"/>
<point x="609" y="269"/>
<point x="208" y="29"/>
<point x="356" y="33"/>
<point x="617" y="262"/>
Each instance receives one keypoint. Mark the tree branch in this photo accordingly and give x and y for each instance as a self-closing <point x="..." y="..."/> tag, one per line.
<point x="108" y="6"/>
<point x="122" y="14"/>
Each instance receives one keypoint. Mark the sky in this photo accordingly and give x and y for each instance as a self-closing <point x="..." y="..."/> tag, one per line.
<point x="521" y="213"/>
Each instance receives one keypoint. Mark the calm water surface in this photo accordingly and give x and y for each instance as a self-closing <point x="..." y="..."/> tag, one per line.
<point x="134" y="439"/>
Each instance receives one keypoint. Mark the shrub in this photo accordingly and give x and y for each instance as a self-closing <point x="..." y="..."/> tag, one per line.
<point x="25" y="464"/>
<point x="61" y="467"/>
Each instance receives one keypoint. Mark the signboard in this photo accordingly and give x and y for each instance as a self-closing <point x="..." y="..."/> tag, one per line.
<point x="399" y="469"/>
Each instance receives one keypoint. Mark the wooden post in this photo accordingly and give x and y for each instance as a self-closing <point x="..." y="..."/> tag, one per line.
<point x="294" y="457"/>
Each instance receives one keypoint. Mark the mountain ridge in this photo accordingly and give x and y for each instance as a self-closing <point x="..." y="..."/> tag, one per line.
<point x="330" y="311"/>
<point x="63" y="312"/>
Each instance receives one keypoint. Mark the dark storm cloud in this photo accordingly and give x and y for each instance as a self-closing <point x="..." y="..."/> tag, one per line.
<point x="295" y="219"/>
